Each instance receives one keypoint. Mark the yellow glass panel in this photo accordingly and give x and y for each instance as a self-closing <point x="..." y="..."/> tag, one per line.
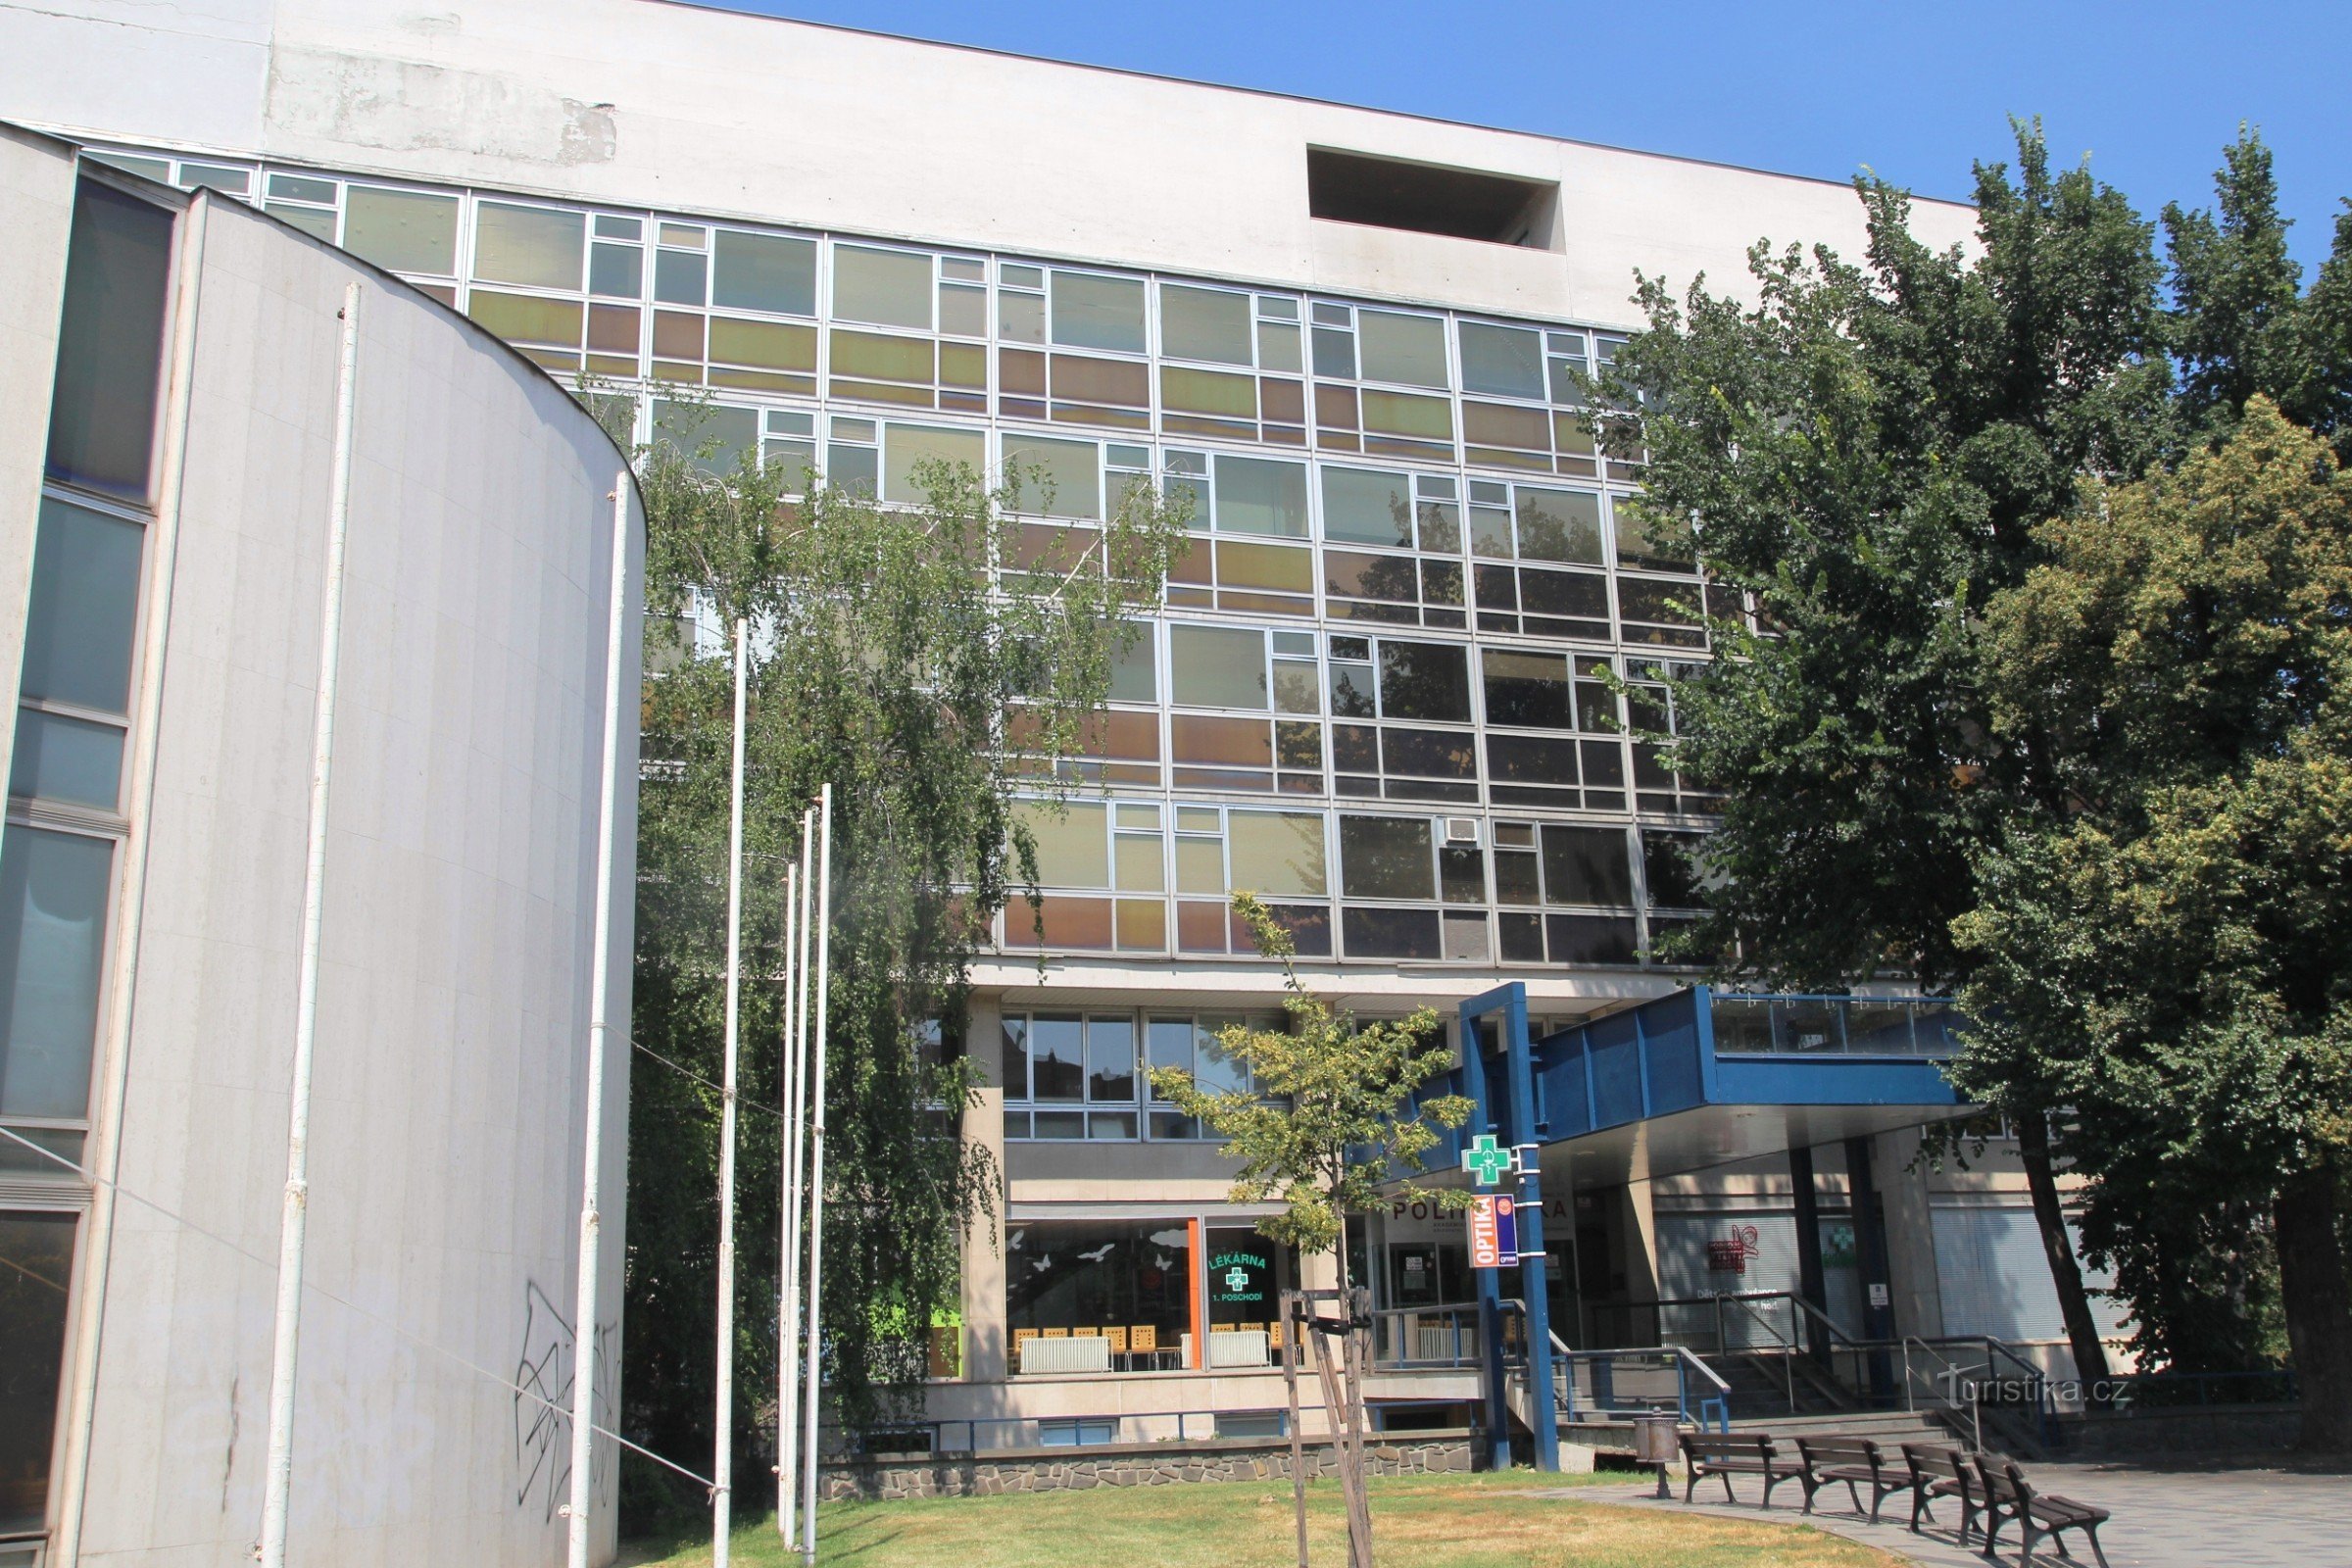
<point x="770" y="345"/>
<point x="963" y="365"/>
<point x="523" y="318"/>
<point x="1280" y="852"/>
<point x="1071" y="852"/>
<point x="1138" y="866"/>
<point x="1143" y="923"/>
<point x="906" y="446"/>
<point x="1404" y="414"/>
<point x="1208" y="392"/>
<point x="887" y="359"/>
<point x="1276" y="567"/>
<point x="1199" y="865"/>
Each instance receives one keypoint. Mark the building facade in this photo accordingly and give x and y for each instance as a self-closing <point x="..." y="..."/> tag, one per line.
<point x="168" y="410"/>
<point x="1382" y="692"/>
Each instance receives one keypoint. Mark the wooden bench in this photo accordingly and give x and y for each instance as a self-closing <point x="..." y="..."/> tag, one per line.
<point x="1937" y="1471"/>
<point x="2009" y="1495"/>
<point x="1736" y="1455"/>
<point x="1855" y="1461"/>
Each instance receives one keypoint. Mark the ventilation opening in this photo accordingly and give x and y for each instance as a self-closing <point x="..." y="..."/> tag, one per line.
<point x="1430" y="198"/>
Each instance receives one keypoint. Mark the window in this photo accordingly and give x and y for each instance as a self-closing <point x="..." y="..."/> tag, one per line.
<point x="909" y="450"/>
<point x="765" y="272"/>
<point x="538" y="247"/>
<point x="886" y="289"/>
<point x="1094" y="311"/>
<point x="1349" y="187"/>
<point x="1125" y="1282"/>
<point x="54" y="889"/>
<point x="110" y="343"/>
<point x="403" y="230"/>
<point x="1505" y="362"/>
<point x="1207" y="325"/>
<point x="1217" y="667"/>
<point x="36" y="1271"/>
<point x="1387" y="857"/>
<point x="1380" y="346"/>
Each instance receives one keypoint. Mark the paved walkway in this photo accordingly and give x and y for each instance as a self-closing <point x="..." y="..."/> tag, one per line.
<point x="2180" y="1514"/>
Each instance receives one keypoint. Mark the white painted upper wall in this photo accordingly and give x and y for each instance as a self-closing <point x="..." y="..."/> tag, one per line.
<point x="655" y="104"/>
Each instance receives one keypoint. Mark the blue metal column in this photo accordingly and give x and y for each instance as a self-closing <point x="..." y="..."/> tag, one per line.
<point x="1519" y="1132"/>
<point x="1490" y="1288"/>
<point x="1535" y="1266"/>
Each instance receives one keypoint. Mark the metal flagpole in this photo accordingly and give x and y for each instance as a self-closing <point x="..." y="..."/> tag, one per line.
<point x="787" y="1309"/>
<point x="816" y="1176"/>
<point x="600" y="980"/>
<point x="723" y="1464"/>
<point x="293" y="1224"/>
<point x="788" y="1425"/>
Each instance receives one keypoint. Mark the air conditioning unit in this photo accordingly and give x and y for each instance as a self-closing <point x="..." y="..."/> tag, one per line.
<point x="1461" y="830"/>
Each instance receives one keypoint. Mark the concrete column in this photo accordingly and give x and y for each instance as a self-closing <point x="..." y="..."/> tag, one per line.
<point x="984" y="1337"/>
<point x="1809" y="1281"/>
<point x="1910" y="1235"/>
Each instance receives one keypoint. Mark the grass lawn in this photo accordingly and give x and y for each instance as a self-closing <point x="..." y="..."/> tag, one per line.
<point x="1469" y="1520"/>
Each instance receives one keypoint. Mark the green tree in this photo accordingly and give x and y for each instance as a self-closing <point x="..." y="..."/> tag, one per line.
<point x="898" y="655"/>
<point x="1323" y="1126"/>
<point x="1865" y="453"/>
<point x="2242" y="325"/>
<point x="2173" y="958"/>
<point x="1329" y="1116"/>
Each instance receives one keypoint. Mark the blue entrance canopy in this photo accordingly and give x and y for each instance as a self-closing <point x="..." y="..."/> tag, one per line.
<point x="1703" y="1077"/>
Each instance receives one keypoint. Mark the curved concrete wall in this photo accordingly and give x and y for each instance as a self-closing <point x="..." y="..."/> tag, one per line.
<point x="449" y="1095"/>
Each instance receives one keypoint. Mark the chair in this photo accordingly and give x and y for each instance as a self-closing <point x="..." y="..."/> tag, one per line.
<point x="1055" y="1334"/>
<point x="1143" y="1340"/>
<point x="1118" y="1340"/>
<point x="1085" y="1333"/>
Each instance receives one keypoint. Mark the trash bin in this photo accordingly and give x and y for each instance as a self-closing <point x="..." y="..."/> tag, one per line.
<point x="1655" y="1442"/>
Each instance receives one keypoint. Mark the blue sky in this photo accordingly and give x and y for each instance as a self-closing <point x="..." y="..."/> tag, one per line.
<point x="2151" y="90"/>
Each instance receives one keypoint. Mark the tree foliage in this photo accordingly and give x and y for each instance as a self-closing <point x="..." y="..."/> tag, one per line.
<point x="1923" y="776"/>
<point x="1866" y="451"/>
<point x="897" y="655"/>
<point x="1325" y="1123"/>
<point x="2173" y="960"/>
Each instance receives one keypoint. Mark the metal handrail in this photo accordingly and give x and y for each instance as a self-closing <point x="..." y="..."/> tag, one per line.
<point x="1953" y="1371"/>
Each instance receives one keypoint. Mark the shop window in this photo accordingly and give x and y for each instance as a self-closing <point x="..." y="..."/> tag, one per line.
<point x="1101" y="1280"/>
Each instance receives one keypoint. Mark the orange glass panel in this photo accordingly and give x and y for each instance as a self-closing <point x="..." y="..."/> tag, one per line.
<point x="1221" y="741"/>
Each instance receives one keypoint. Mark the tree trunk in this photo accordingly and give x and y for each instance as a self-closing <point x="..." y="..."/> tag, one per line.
<point x="1352" y="1450"/>
<point x="1295" y="1314"/>
<point x="2318" y="1299"/>
<point x="2073" y="1303"/>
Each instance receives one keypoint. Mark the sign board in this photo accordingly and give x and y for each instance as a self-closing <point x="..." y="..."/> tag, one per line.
<point x="1486" y="1161"/>
<point x="1878" y="1294"/>
<point x="1729" y="1253"/>
<point x="1241" y="1283"/>
<point x="1493" y="1231"/>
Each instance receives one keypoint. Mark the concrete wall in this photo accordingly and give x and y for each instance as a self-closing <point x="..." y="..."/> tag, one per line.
<point x="447" y="1109"/>
<point x="732" y="115"/>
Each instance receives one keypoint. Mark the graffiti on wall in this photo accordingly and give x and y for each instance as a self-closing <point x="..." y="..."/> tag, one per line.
<point x="543" y="1380"/>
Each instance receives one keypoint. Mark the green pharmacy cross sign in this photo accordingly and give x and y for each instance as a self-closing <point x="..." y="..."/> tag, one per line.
<point x="1486" y="1161"/>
